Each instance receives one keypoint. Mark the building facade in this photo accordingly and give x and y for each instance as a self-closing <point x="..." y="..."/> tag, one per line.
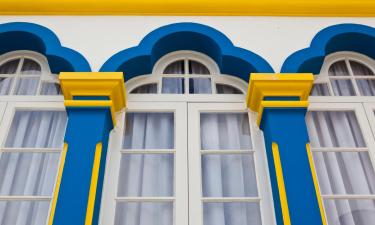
<point x="240" y="114"/>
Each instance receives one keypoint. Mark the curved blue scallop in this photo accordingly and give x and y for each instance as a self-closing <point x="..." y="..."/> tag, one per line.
<point x="33" y="37"/>
<point x="231" y="60"/>
<point x="342" y="37"/>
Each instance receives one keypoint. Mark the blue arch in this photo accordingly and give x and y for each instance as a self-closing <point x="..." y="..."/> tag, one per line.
<point x="342" y="37"/>
<point x="33" y="37"/>
<point x="231" y="60"/>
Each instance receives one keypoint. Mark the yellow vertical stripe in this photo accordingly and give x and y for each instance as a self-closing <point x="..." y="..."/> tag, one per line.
<point x="93" y="185"/>
<point x="58" y="182"/>
<point x="280" y="184"/>
<point x="315" y="180"/>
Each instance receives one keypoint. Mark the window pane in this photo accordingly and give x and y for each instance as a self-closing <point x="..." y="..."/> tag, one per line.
<point x="320" y="90"/>
<point x="197" y="68"/>
<point x="146" y="175"/>
<point x="345" y="172"/>
<point x="146" y="89"/>
<point x="30" y="67"/>
<point x="37" y="129"/>
<point x="200" y="86"/>
<point x="24" y="212"/>
<point x="28" y="174"/>
<point x="5" y="85"/>
<point x="27" y="86"/>
<point x="145" y="213"/>
<point x="343" y="211"/>
<point x="334" y="129"/>
<point x="225" y="131"/>
<point x="338" y="68"/>
<point x="149" y="131"/>
<point x="173" y="86"/>
<point x="227" y="89"/>
<point x="231" y="213"/>
<point x="343" y="87"/>
<point x="50" y="89"/>
<point x="360" y="69"/>
<point x="228" y="175"/>
<point x="177" y="67"/>
<point x="366" y="87"/>
<point x="9" y="67"/>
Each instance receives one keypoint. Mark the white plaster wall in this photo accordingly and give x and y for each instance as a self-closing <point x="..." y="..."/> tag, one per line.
<point x="99" y="37"/>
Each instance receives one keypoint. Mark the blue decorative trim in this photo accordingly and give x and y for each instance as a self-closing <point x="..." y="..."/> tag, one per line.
<point x="342" y="37"/>
<point x="33" y="37"/>
<point x="231" y="60"/>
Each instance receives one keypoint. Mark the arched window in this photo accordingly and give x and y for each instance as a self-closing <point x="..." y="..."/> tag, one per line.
<point x="186" y="72"/>
<point x="26" y="73"/>
<point x="346" y="74"/>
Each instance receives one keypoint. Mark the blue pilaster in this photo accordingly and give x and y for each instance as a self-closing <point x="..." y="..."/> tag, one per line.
<point x="287" y="128"/>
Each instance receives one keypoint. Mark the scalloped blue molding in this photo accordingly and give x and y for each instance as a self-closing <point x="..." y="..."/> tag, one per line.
<point x="231" y="60"/>
<point x="341" y="37"/>
<point x="33" y="37"/>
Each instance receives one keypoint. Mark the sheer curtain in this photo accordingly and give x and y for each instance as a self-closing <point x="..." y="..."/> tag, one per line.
<point x="147" y="174"/>
<point x="30" y="172"/>
<point x="228" y="174"/>
<point x="342" y="172"/>
<point x="28" y="82"/>
<point x="7" y="68"/>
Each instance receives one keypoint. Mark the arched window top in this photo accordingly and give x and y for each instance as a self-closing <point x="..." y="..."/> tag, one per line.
<point x="184" y="73"/>
<point x="346" y="74"/>
<point x="26" y="73"/>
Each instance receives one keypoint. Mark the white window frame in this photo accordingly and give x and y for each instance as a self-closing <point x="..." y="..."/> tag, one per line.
<point x="45" y="77"/>
<point x="9" y="113"/>
<point x="260" y="161"/>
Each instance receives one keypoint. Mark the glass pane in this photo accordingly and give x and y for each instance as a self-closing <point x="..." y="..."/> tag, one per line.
<point x="28" y="173"/>
<point x="197" y="68"/>
<point x="200" y="86"/>
<point x="5" y="85"/>
<point x="366" y="87"/>
<point x="9" y="67"/>
<point x="320" y="90"/>
<point x="173" y="85"/>
<point x="50" y="89"/>
<point x="146" y="89"/>
<point x="30" y="67"/>
<point x="227" y="89"/>
<point x="24" y="212"/>
<point x="177" y="67"/>
<point x="342" y="211"/>
<point x="334" y="129"/>
<point x="227" y="131"/>
<point x="360" y="69"/>
<point x="345" y="172"/>
<point x="37" y="129"/>
<point x="343" y="87"/>
<point x="146" y="175"/>
<point x="149" y="131"/>
<point x="231" y="213"/>
<point x="145" y="213"/>
<point x="338" y="68"/>
<point x="228" y="175"/>
<point x="27" y="86"/>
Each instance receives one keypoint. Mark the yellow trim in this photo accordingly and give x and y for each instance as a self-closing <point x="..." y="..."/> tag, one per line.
<point x="315" y="180"/>
<point x="58" y="183"/>
<point x="279" y="104"/>
<point x="280" y="184"/>
<point x="348" y="8"/>
<point x="93" y="185"/>
<point x="93" y="103"/>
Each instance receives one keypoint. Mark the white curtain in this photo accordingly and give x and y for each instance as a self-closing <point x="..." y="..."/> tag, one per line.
<point x="147" y="175"/>
<point x="197" y="68"/>
<point x="30" y="174"/>
<point x="173" y="85"/>
<point x="228" y="175"/>
<point x="50" y="89"/>
<point x="342" y="173"/>
<point x="9" y="67"/>
<point x="200" y="86"/>
<point x="28" y="85"/>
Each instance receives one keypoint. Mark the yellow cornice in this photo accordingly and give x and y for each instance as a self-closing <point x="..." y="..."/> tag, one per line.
<point x="345" y="8"/>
